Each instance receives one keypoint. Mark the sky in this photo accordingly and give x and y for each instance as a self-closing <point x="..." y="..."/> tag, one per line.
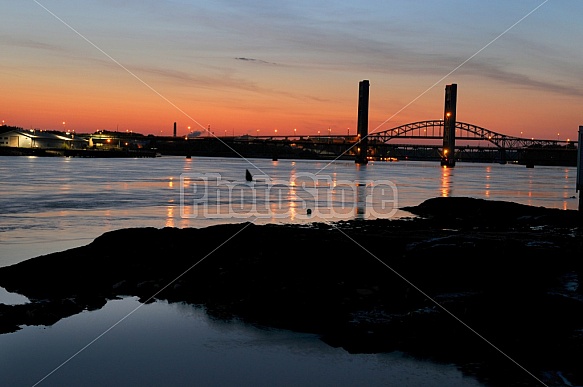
<point x="257" y="66"/>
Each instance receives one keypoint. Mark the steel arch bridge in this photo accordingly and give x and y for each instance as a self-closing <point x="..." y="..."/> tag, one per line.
<point x="434" y="129"/>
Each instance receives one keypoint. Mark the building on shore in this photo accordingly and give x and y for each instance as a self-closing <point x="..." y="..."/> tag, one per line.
<point x="21" y="138"/>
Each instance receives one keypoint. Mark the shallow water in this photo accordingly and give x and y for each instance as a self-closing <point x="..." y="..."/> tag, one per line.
<point x="178" y="345"/>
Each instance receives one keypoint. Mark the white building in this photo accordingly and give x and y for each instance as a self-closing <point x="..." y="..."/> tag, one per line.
<point x="19" y="138"/>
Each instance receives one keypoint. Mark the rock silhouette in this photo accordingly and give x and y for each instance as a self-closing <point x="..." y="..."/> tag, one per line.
<point x="507" y="271"/>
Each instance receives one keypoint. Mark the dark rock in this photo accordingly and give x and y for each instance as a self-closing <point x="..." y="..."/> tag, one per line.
<point x="434" y="286"/>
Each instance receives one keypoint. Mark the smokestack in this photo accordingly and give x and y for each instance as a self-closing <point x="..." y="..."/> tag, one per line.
<point x="175" y="129"/>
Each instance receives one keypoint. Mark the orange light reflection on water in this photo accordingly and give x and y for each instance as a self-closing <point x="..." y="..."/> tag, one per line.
<point x="445" y="182"/>
<point x="293" y="194"/>
<point x="487" y="188"/>
<point x="170" y="216"/>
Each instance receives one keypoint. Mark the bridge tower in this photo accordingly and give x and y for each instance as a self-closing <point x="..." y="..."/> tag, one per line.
<point x="579" y="182"/>
<point x="362" y="124"/>
<point x="447" y="157"/>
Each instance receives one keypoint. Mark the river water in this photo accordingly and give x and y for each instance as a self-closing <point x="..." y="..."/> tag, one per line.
<point x="52" y="204"/>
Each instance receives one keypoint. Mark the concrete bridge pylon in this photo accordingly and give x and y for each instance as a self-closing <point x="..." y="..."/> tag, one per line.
<point x="362" y="124"/>
<point x="449" y="121"/>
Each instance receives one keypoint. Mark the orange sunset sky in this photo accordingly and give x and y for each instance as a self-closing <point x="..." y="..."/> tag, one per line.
<point x="243" y="67"/>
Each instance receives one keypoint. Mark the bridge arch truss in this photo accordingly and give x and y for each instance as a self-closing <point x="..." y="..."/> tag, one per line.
<point x="433" y="129"/>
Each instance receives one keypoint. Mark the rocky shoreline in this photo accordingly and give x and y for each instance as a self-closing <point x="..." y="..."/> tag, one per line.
<point x="482" y="284"/>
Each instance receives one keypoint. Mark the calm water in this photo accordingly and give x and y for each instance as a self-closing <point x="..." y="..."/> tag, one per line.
<point x="177" y="345"/>
<point x="52" y="204"/>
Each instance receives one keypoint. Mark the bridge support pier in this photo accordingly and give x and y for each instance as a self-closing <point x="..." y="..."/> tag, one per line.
<point x="503" y="158"/>
<point x="362" y="124"/>
<point x="448" y="155"/>
<point x="579" y="182"/>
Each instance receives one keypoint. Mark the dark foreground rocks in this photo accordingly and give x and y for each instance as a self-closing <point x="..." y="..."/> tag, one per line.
<point x="491" y="286"/>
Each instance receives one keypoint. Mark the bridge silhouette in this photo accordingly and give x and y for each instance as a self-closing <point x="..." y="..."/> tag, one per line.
<point x="475" y="143"/>
<point x="379" y="145"/>
<point x="427" y="140"/>
<point x="434" y="129"/>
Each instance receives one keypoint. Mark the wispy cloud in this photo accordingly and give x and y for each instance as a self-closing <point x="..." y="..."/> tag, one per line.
<point x="497" y="73"/>
<point x="217" y="80"/>
<point x="14" y="41"/>
<point x="314" y="36"/>
<point x="186" y="79"/>
<point x="253" y="60"/>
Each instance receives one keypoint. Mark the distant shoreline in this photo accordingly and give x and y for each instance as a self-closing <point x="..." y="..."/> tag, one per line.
<point x="120" y="144"/>
<point x="123" y="153"/>
<point x="84" y="153"/>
